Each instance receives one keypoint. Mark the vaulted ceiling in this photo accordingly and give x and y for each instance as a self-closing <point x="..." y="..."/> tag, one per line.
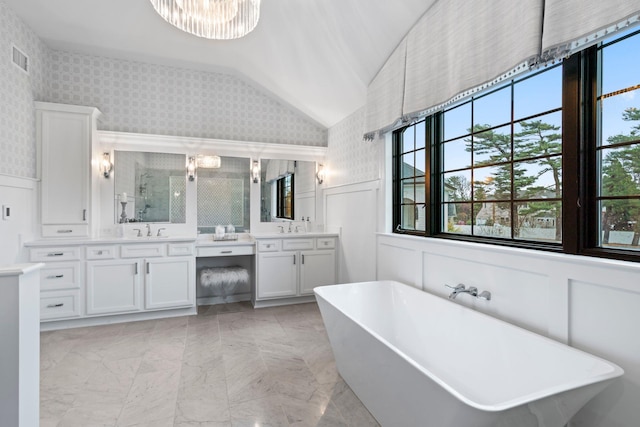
<point x="316" y="55"/>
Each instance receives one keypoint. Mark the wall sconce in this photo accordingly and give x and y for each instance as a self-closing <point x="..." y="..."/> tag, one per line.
<point x="255" y="171"/>
<point x="191" y="169"/>
<point x="320" y="175"/>
<point x="105" y="165"/>
<point x="208" y="162"/>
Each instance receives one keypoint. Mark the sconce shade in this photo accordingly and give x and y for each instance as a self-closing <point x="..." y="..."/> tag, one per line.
<point x="255" y="171"/>
<point x="191" y="169"/>
<point x="105" y="165"/>
<point x="208" y="162"/>
<point x="320" y="175"/>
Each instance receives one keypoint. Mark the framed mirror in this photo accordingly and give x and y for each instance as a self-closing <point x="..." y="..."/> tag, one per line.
<point x="149" y="187"/>
<point x="223" y="195"/>
<point x="287" y="190"/>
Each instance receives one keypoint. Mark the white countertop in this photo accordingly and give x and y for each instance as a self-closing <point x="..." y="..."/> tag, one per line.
<point x="285" y="235"/>
<point x="108" y="240"/>
<point x="244" y="239"/>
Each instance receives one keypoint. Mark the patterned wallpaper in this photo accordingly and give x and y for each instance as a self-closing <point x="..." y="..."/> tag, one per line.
<point x="157" y="99"/>
<point x="133" y="97"/>
<point x="17" y="93"/>
<point x="351" y="160"/>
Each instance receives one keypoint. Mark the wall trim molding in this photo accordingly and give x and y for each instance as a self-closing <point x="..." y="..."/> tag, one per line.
<point x="192" y="145"/>
<point x="18" y="182"/>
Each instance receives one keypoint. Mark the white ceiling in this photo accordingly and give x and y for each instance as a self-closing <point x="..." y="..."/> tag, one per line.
<point x="316" y="55"/>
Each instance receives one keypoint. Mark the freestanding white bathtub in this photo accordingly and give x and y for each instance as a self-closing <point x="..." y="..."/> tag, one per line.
<point x="415" y="359"/>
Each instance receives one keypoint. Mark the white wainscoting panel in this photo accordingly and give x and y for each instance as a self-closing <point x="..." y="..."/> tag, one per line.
<point x="590" y="303"/>
<point x="19" y="194"/>
<point x="352" y="210"/>
<point x="604" y="321"/>
<point x="398" y="263"/>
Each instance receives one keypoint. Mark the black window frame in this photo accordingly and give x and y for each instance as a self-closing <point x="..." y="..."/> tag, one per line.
<point x="282" y="198"/>
<point x="580" y="214"/>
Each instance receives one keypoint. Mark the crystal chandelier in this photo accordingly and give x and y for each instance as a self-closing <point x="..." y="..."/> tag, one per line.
<point x="211" y="19"/>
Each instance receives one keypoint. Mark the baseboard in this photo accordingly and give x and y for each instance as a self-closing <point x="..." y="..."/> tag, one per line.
<point x="223" y="300"/>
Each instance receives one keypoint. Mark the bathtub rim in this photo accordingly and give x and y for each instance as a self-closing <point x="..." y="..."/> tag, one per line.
<point x="605" y="378"/>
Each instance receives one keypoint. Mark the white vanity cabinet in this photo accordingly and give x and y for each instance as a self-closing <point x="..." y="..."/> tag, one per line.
<point x="60" y="281"/>
<point x="113" y="286"/>
<point x="290" y="267"/>
<point x="118" y="286"/>
<point x="66" y="137"/>
<point x="86" y="281"/>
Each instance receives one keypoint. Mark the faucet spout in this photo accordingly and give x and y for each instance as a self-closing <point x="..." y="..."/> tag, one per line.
<point x="461" y="289"/>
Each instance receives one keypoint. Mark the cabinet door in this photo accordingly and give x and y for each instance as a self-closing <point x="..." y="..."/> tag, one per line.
<point x="170" y="282"/>
<point x="113" y="286"/>
<point x="317" y="268"/>
<point x="277" y="274"/>
<point x="65" y="142"/>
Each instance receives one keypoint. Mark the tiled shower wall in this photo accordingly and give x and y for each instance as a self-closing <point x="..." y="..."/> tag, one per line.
<point x="134" y="97"/>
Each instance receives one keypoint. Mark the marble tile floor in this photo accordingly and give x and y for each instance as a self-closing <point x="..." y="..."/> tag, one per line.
<point x="229" y="366"/>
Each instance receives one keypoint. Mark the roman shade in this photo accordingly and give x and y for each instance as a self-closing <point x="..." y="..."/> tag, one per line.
<point x="460" y="46"/>
<point x="572" y="25"/>
<point x="385" y="94"/>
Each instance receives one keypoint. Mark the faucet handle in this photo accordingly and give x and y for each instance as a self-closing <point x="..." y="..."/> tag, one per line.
<point x="459" y="287"/>
<point x="485" y="295"/>
<point x="160" y="231"/>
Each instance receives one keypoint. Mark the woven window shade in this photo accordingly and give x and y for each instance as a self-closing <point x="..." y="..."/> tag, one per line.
<point x="459" y="47"/>
<point x="572" y="25"/>
<point x="385" y="94"/>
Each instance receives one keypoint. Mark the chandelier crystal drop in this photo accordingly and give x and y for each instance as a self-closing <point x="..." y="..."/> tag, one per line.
<point x="211" y="19"/>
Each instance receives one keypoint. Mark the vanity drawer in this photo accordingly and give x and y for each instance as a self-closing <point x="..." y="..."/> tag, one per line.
<point x="326" y="243"/>
<point x="101" y="252"/>
<point x="56" y="305"/>
<point x="141" y="251"/>
<point x="60" y="275"/>
<point x="66" y="253"/>
<point x="225" y="251"/>
<point x="180" y="249"/>
<point x="269" y="245"/>
<point x="76" y="230"/>
<point x="297" y="244"/>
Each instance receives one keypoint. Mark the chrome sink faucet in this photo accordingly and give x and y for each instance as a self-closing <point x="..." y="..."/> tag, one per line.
<point x="290" y="226"/>
<point x="460" y="289"/>
<point x="148" y="230"/>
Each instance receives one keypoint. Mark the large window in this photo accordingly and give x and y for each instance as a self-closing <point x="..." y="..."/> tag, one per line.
<point x="559" y="146"/>
<point x="618" y="143"/>
<point x="502" y="161"/>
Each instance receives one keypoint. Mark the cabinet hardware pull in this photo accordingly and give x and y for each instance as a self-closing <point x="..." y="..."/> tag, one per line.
<point x="136" y="267"/>
<point x="55" y="254"/>
<point x="303" y="259"/>
<point x="226" y="252"/>
<point x="294" y="260"/>
<point x="59" y="276"/>
<point x="147" y="268"/>
<point x="64" y="231"/>
<point x="60" y="304"/>
<point x="99" y="252"/>
<point x="84" y="214"/>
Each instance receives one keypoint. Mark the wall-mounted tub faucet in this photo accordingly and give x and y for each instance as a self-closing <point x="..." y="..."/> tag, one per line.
<point x="461" y="289"/>
<point x="473" y="291"/>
